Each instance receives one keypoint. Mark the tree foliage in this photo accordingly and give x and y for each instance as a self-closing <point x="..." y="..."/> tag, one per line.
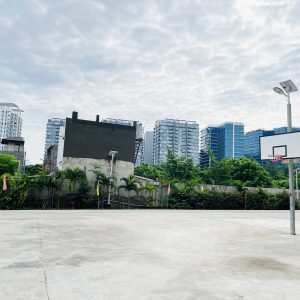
<point x="16" y="194"/>
<point x="74" y="176"/>
<point x="32" y="170"/>
<point x="186" y="198"/>
<point x="246" y="171"/>
<point x="8" y="164"/>
<point x="149" y="171"/>
<point x="130" y="184"/>
<point x="179" y="168"/>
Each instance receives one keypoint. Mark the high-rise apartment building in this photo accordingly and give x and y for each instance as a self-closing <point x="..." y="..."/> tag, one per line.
<point x="224" y="141"/>
<point x="10" y="120"/>
<point x="180" y="136"/>
<point x="52" y="132"/>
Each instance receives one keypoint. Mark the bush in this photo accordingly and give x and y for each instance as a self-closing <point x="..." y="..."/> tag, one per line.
<point x="184" y="198"/>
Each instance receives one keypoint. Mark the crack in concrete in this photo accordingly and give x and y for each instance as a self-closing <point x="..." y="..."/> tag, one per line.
<point x="42" y="260"/>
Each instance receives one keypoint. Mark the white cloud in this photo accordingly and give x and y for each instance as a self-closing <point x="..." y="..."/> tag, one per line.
<point x="208" y="61"/>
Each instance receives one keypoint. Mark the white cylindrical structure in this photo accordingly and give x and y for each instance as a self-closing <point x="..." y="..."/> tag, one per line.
<point x="291" y="173"/>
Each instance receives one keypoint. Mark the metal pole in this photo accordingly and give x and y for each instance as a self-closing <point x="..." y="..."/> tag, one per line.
<point x="98" y="194"/>
<point x="110" y="177"/>
<point x="297" y="184"/>
<point x="291" y="179"/>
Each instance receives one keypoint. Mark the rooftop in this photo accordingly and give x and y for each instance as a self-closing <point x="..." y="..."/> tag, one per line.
<point x="8" y="104"/>
<point x="12" y="139"/>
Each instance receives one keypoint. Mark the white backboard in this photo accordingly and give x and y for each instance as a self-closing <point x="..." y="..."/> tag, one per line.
<point x="286" y="145"/>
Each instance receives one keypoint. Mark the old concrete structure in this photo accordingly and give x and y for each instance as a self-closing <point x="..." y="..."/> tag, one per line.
<point x="86" y="145"/>
<point x="120" y="168"/>
<point x="15" y="147"/>
<point x="50" y="162"/>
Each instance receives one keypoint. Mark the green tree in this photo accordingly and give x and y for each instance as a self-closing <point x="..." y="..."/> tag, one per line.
<point x="46" y="187"/>
<point x="218" y="173"/>
<point x="101" y="177"/>
<point x="277" y="171"/>
<point x="8" y="164"/>
<point x="130" y="184"/>
<point x="103" y="180"/>
<point x="179" y="168"/>
<point x="32" y="170"/>
<point x="17" y="191"/>
<point x="243" y="171"/>
<point x="148" y="171"/>
<point x="74" y="176"/>
<point x="150" y="190"/>
<point x="251" y="172"/>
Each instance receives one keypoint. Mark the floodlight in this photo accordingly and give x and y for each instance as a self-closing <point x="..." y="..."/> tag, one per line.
<point x="112" y="153"/>
<point x="288" y="86"/>
<point x="278" y="90"/>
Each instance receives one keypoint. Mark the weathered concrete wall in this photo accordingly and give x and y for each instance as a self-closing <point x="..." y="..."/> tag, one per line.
<point x="218" y="188"/>
<point x="161" y="192"/>
<point x="232" y="189"/>
<point x="120" y="168"/>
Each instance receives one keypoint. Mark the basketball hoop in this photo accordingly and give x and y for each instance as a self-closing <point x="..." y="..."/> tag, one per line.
<point x="276" y="158"/>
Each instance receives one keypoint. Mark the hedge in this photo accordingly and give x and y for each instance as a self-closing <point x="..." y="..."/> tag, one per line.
<point x="219" y="200"/>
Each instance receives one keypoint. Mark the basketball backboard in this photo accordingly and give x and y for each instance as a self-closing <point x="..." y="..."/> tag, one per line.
<point x="283" y="146"/>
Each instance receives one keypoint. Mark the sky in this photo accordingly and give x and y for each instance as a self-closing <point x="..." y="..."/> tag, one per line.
<point x="208" y="61"/>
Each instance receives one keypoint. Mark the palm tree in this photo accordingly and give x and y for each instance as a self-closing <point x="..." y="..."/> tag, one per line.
<point x="74" y="176"/>
<point x="150" y="188"/>
<point x="102" y="179"/>
<point x="130" y="184"/>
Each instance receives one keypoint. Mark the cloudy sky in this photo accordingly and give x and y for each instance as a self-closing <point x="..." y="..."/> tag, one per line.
<point x="204" y="60"/>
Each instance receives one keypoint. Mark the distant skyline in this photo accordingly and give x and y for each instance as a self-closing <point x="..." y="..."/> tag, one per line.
<point x="199" y="60"/>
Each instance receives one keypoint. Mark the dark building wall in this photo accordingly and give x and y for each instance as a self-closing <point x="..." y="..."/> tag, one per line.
<point x="89" y="139"/>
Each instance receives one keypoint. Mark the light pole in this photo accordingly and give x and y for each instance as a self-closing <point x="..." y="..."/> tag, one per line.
<point x="297" y="190"/>
<point x="287" y="88"/>
<point x="112" y="154"/>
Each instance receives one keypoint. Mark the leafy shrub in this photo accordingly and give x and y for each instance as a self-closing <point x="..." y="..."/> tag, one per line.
<point x="185" y="198"/>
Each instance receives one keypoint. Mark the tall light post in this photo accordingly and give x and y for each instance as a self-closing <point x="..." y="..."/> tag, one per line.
<point x="112" y="154"/>
<point x="287" y="88"/>
<point x="297" y="189"/>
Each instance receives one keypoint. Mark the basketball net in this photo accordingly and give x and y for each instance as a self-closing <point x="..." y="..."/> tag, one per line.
<point x="276" y="158"/>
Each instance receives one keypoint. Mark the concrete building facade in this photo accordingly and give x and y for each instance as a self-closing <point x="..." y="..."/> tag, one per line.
<point x="15" y="146"/>
<point x="86" y="144"/>
<point x="50" y="163"/>
<point x="10" y="120"/>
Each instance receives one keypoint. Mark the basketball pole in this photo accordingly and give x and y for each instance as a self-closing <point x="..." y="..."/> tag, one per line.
<point x="291" y="172"/>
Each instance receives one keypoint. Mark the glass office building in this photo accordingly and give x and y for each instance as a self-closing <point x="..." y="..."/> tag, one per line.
<point x="209" y="142"/>
<point x="252" y="148"/>
<point x="224" y="141"/>
<point x="281" y="130"/>
<point x="180" y="136"/>
<point x="52" y="132"/>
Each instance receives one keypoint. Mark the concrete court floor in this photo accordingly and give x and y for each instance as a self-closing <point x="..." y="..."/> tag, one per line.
<point x="148" y="254"/>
